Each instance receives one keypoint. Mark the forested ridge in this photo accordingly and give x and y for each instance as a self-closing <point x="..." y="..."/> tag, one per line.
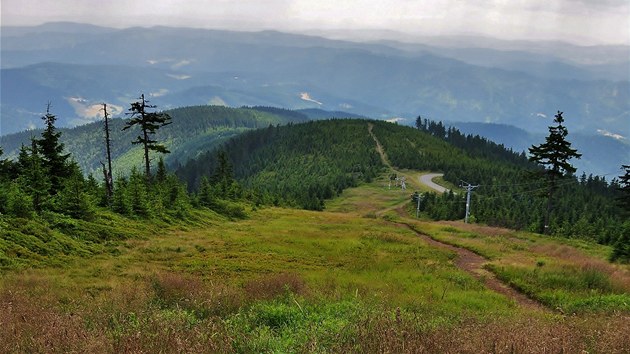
<point x="299" y="165"/>
<point x="509" y="196"/>
<point x="303" y="164"/>
<point x="195" y="128"/>
<point x="48" y="206"/>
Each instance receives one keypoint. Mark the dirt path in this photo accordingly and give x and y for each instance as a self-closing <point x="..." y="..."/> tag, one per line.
<point x="473" y="263"/>
<point x="467" y="260"/>
<point x="379" y="147"/>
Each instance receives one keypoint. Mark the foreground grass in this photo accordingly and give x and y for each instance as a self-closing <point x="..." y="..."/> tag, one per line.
<point x="282" y="280"/>
<point x="297" y="281"/>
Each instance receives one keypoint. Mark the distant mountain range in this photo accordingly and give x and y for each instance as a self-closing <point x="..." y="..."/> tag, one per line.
<point x="76" y="67"/>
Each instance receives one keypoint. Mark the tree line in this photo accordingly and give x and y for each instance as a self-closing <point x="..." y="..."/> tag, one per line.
<point x="541" y="195"/>
<point x="45" y="180"/>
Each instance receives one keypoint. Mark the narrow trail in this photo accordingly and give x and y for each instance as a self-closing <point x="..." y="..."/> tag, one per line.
<point x="379" y="147"/>
<point x="466" y="260"/>
<point x="473" y="264"/>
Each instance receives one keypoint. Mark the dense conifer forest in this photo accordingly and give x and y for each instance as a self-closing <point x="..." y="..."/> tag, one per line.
<point x="302" y="165"/>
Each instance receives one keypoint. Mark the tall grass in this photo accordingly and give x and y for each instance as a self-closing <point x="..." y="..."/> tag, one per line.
<point x="179" y="315"/>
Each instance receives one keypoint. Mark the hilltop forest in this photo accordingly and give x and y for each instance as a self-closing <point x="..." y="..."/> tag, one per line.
<point x="305" y="164"/>
<point x="194" y="129"/>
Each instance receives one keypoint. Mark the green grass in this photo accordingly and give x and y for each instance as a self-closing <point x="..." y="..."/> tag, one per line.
<point x="282" y="280"/>
<point x="569" y="276"/>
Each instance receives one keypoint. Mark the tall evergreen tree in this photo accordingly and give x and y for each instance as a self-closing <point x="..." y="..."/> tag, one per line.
<point x="74" y="199"/>
<point x="34" y="178"/>
<point x="51" y="150"/>
<point x="419" y="124"/>
<point x="624" y="188"/>
<point x="621" y="248"/>
<point x="223" y="177"/>
<point x="554" y="155"/>
<point x="6" y="167"/>
<point x="161" y="173"/>
<point x="149" y="123"/>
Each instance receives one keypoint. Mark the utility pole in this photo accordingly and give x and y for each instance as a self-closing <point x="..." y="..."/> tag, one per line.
<point x="417" y="197"/>
<point x="469" y="189"/>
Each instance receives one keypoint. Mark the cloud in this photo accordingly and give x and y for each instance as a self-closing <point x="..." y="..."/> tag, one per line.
<point x="574" y="20"/>
<point x="611" y="135"/>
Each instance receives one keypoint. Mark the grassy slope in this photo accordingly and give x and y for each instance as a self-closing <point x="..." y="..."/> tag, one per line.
<point x="291" y="280"/>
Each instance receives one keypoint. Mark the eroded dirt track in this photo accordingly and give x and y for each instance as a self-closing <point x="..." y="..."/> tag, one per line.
<point x="473" y="264"/>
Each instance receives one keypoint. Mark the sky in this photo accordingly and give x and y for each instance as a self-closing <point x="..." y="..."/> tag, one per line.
<point x="577" y="21"/>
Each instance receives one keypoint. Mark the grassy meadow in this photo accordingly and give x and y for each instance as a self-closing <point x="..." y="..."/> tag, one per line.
<point x="354" y="278"/>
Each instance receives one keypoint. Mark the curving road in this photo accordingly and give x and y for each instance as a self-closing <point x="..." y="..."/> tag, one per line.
<point x="427" y="180"/>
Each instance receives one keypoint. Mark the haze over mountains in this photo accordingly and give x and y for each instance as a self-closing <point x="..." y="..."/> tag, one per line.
<point x="460" y="79"/>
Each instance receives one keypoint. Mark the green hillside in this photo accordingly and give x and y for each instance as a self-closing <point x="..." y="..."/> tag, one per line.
<point x="194" y="130"/>
<point x="305" y="164"/>
<point x="159" y="270"/>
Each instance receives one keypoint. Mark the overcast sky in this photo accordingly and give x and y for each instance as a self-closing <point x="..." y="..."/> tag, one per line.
<point x="581" y="21"/>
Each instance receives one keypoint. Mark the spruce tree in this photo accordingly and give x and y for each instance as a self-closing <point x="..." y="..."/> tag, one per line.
<point x="621" y="249"/>
<point x="8" y="169"/>
<point x="138" y="193"/>
<point x="74" y="199"/>
<point x="419" y="124"/>
<point x="161" y="173"/>
<point x="223" y="177"/>
<point x="121" y="201"/>
<point x="554" y="155"/>
<point x="624" y="188"/>
<point x="51" y="150"/>
<point x="149" y="123"/>
<point x="33" y="178"/>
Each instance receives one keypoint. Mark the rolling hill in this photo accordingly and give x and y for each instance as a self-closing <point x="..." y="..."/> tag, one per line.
<point x="303" y="165"/>
<point x="194" y="130"/>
